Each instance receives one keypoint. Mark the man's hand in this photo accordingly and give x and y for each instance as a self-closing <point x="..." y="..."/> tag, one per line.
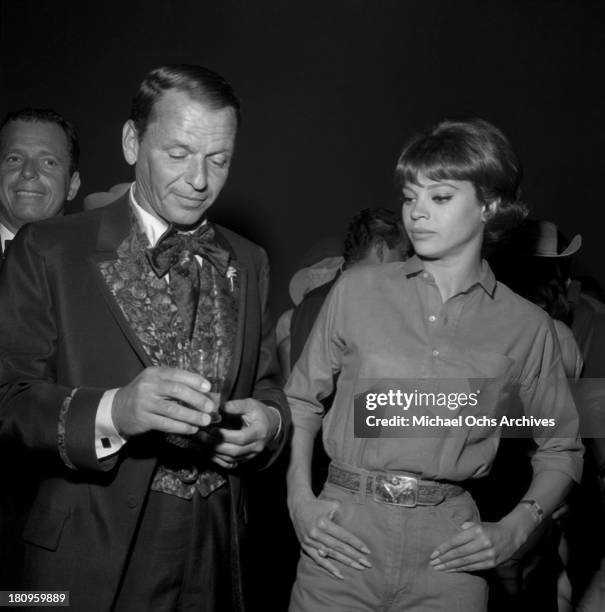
<point x="479" y="546"/>
<point x="322" y="539"/>
<point x="163" y="399"/>
<point x="260" y="424"/>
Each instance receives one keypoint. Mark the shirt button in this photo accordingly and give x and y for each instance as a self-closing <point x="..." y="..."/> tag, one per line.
<point x="432" y="318"/>
<point x="425" y="275"/>
<point x="131" y="501"/>
<point x="435" y="353"/>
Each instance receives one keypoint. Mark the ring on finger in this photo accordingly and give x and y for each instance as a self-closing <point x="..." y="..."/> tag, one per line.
<point x="322" y="552"/>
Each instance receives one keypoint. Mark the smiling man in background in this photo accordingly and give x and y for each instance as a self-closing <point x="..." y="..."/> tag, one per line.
<point x="39" y="156"/>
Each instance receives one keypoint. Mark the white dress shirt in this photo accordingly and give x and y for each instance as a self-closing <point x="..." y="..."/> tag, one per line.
<point x="5" y="234"/>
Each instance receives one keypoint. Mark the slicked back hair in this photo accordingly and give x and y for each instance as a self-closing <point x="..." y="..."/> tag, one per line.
<point x="200" y="84"/>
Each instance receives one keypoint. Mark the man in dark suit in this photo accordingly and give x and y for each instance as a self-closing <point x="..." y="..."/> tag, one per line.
<point x="39" y="155"/>
<point x="122" y="331"/>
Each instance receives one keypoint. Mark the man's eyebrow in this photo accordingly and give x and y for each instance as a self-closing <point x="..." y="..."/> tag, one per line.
<point x="178" y="144"/>
<point x="22" y="151"/>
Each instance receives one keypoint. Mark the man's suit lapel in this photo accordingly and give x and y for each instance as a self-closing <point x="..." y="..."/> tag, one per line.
<point x="114" y="226"/>
<point x="241" y="278"/>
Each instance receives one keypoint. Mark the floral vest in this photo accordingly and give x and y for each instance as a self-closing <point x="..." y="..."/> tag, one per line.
<point x="148" y="306"/>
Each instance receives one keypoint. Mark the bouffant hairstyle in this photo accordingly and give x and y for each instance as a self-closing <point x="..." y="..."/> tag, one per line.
<point x="474" y="151"/>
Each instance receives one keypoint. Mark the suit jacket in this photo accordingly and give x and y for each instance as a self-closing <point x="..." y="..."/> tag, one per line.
<point x="61" y="328"/>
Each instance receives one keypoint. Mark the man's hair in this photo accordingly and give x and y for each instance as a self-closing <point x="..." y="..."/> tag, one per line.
<point x="474" y="151"/>
<point x="200" y="84"/>
<point x="47" y="115"/>
<point x="370" y="227"/>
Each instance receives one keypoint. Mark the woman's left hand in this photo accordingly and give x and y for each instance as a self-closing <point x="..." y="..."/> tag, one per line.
<point x="478" y="546"/>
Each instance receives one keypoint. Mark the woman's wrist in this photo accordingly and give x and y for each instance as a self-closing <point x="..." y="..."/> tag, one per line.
<point x="298" y="495"/>
<point x="521" y="523"/>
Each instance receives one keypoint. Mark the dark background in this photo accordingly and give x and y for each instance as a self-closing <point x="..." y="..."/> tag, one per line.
<point x="331" y="90"/>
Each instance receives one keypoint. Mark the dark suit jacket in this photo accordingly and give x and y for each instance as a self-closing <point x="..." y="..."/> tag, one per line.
<point x="60" y="328"/>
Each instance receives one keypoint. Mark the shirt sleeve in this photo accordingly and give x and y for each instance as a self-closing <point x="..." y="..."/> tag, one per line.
<point x="107" y="439"/>
<point x="312" y="378"/>
<point x="546" y="395"/>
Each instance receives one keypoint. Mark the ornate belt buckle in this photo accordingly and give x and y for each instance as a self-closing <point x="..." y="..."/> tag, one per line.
<point x="396" y="490"/>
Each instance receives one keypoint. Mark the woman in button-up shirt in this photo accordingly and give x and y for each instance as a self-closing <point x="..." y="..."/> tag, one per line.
<point x="439" y="316"/>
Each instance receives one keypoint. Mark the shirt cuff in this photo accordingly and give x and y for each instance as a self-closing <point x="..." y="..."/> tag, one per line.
<point x="280" y="421"/>
<point x="107" y="439"/>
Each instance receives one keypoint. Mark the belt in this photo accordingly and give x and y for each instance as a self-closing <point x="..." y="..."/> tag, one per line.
<point x="393" y="488"/>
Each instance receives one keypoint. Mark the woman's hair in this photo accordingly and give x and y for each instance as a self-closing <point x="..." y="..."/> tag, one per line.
<point x="474" y="151"/>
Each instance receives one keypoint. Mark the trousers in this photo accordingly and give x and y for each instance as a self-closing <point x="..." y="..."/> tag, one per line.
<point x="180" y="559"/>
<point x="400" y="540"/>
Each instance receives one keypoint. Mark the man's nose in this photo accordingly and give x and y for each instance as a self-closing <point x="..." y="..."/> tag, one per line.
<point x="29" y="169"/>
<point x="197" y="175"/>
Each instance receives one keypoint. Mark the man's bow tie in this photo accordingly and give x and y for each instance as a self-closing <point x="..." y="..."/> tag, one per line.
<point x="176" y="247"/>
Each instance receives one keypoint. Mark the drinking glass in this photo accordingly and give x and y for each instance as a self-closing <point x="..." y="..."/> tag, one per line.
<point x="195" y="360"/>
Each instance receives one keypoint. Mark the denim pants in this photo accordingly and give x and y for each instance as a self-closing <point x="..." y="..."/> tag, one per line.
<point x="400" y="540"/>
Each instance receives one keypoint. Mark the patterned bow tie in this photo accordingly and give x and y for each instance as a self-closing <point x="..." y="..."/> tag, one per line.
<point x="175" y="253"/>
<point x="174" y="248"/>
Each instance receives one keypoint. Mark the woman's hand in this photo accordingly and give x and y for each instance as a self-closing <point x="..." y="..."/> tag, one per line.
<point x="481" y="546"/>
<point x="322" y="539"/>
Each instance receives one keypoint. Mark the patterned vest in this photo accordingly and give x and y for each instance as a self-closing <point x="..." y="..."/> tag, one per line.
<point x="148" y="306"/>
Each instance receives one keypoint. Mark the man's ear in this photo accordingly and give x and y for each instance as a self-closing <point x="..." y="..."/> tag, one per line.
<point x="130" y="142"/>
<point x="489" y="210"/>
<point x="74" y="185"/>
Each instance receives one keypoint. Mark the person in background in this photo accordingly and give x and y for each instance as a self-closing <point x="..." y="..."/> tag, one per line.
<point x="528" y="261"/>
<point x="536" y="261"/>
<point x="102" y="198"/>
<point x="39" y="156"/>
<point x="374" y="236"/>
<point x="394" y="527"/>
<point x="320" y="265"/>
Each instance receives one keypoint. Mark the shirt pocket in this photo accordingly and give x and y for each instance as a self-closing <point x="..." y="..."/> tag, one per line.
<point x="489" y="364"/>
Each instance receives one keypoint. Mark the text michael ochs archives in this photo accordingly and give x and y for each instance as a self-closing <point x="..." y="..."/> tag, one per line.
<point x="405" y="411"/>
